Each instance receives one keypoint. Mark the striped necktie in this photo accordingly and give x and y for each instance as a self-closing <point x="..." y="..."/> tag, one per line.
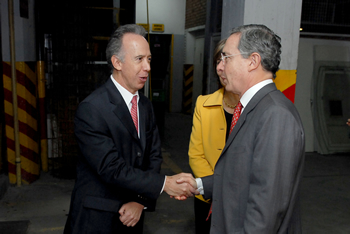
<point x="236" y="114"/>
<point x="134" y="112"/>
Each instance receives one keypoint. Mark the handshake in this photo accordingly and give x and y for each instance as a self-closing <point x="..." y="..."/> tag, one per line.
<point x="181" y="186"/>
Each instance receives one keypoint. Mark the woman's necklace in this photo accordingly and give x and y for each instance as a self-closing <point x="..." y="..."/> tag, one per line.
<point x="231" y="106"/>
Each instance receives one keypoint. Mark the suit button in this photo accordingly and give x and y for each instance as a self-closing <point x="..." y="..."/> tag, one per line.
<point x="138" y="154"/>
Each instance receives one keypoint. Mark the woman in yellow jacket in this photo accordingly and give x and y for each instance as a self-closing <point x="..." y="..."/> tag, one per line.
<point x="211" y="119"/>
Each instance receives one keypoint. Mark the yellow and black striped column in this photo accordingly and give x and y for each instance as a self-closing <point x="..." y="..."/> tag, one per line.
<point x="27" y="121"/>
<point x="187" y="89"/>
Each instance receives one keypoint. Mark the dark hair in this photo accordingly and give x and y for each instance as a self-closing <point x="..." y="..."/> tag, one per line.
<point x="217" y="58"/>
<point x="260" y="39"/>
<point x="114" y="46"/>
<point x="217" y="52"/>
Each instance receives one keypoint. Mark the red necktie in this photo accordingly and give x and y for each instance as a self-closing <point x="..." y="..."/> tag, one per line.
<point x="134" y="112"/>
<point x="236" y="114"/>
<point x="235" y="117"/>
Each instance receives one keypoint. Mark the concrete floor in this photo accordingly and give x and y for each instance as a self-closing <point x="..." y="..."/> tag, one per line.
<point x="325" y="193"/>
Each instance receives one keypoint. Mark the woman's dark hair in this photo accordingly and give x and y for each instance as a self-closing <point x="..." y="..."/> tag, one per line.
<point x="217" y="57"/>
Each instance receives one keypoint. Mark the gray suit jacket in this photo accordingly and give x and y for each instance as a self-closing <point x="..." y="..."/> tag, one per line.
<point x="256" y="180"/>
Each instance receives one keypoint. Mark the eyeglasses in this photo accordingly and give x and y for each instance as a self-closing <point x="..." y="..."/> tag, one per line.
<point x="223" y="57"/>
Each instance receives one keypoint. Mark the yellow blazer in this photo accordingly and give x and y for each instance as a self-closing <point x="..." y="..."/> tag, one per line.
<point x="208" y="134"/>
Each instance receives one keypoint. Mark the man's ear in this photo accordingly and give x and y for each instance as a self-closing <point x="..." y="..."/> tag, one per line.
<point x="255" y="61"/>
<point x="117" y="64"/>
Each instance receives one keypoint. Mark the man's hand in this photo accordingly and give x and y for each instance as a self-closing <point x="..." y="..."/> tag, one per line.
<point x="130" y="213"/>
<point x="348" y="123"/>
<point x="189" y="180"/>
<point x="181" y="191"/>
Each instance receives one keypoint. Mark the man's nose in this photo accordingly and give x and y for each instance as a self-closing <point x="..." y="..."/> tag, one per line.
<point x="220" y="66"/>
<point x="146" y="65"/>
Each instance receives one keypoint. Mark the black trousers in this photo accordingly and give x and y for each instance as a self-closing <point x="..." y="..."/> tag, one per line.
<point x="201" y="210"/>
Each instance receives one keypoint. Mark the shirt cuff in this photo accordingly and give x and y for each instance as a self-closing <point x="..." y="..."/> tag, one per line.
<point x="163" y="186"/>
<point x="200" y="186"/>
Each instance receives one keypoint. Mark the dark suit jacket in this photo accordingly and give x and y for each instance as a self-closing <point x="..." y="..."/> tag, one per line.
<point x="256" y="180"/>
<point x="114" y="166"/>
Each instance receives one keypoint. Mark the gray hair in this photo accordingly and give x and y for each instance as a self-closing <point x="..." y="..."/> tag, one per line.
<point x="262" y="40"/>
<point x="114" y="46"/>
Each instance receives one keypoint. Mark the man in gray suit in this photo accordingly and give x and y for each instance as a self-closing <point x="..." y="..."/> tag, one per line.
<point x="256" y="180"/>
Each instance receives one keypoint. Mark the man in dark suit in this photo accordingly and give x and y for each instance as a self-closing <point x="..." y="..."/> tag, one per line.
<point x="256" y="180"/>
<point x="120" y="152"/>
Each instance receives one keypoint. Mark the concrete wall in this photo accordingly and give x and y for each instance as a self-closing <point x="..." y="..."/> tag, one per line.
<point x="172" y="14"/>
<point x="24" y="32"/>
<point x="312" y="50"/>
<point x="283" y="17"/>
<point x="168" y="12"/>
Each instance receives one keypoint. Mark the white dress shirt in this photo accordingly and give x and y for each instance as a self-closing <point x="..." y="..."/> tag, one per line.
<point x="127" y="96"/>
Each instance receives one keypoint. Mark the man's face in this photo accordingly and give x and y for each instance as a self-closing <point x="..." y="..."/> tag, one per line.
<point x="234" y="67"/>
<point x="220" y="72"/>
<point x="136" y="66"/>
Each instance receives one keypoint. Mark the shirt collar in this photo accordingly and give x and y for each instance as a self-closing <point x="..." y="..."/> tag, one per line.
<point x="127" y="96"/>
<point x="249" y="94"/>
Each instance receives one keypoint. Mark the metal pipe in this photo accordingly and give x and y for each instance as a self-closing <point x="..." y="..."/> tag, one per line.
<point x="14" y="93"/>
<point x="41" y="81"/>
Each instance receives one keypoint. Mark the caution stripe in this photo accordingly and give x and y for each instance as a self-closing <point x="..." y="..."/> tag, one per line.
<point x="23" y="115"/>
<point x="21" y="103"/>
<point x="25" y="140"/>
<point x="12" y="175"/>
<point x="188" y="88"/>
<point x="23" y="128"/>
<point x="285" y="82"/>
<point x="24" y="75"/>
<point x="25" y="161"/>
<point x="27" y="121"/>
<point x="22" y="92"/>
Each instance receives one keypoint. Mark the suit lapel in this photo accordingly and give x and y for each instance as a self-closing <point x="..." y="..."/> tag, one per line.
<point x="142" y="120"/>
<point x="121" y="110"/>
<point x="250" y="107"/>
